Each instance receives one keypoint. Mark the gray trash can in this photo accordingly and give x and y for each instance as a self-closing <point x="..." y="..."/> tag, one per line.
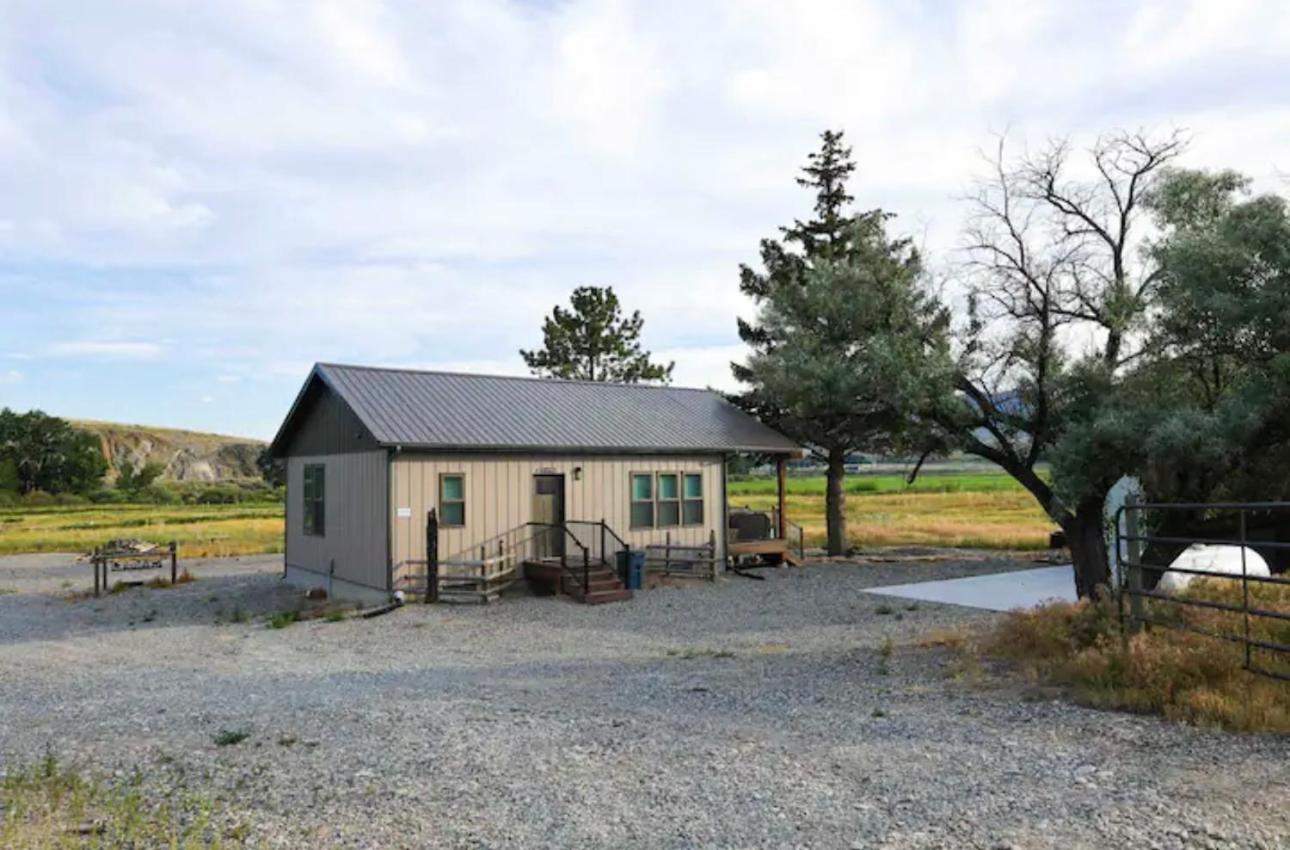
<point x="631" y="569"/>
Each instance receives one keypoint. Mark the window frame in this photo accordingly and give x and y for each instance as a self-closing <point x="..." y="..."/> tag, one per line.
<point x="314" y="500"/>
<point x="632" y="501"/>
<point x="656" y="500"/>
<point x="685" y="500"/>
<point x="659" y="501"/>
<point x="444" y="501"/>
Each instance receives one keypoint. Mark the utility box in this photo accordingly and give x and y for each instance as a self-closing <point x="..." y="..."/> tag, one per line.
<point x="631" y="569"/>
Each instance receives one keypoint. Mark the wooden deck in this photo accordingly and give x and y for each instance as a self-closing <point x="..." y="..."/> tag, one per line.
<point x="773" y="547"/>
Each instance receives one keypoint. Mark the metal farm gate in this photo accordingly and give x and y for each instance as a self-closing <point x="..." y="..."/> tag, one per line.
<point x="1260" y="626"/>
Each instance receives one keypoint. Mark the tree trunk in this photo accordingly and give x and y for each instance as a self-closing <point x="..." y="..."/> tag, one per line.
<point x="835" y="502"/>
<point x="1087" y="541"/>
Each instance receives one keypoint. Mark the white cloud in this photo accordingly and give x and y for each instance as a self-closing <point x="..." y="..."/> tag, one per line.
<point x="10" y="376"/>
<point x="106" y="349"/>
<point x="405" y="182"/>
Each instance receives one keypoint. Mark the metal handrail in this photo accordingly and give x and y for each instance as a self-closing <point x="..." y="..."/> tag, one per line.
<point x="564" y="555"/>
<point x="508" y="546"/>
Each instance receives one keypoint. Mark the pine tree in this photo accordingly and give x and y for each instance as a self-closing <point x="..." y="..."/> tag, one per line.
<point x="845" y="345"/>
<point x="594" y="342"/>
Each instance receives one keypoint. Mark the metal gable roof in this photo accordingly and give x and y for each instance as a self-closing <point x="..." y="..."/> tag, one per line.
<point x="442" y="410"/>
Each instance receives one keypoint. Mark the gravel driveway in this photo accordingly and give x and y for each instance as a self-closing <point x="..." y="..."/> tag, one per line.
<point x="743" y="714"/>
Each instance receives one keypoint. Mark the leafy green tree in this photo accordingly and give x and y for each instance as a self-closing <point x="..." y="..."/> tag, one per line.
<point x="1060" y="294"/>
<point x="846" y="344"/>
<point x="594" y="342"/>
<point x="46" y="453"/>
<point x="1205" y="414"/>
<point x="272" y="469"/>
<point x="134" y="481"/>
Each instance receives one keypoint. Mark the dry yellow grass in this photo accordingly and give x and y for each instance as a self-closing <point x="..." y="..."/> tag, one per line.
<point x="989" y="512"/>
<point x="1175" y="673"/>
<point x="1009" y="519"/>
<point x="201" y="530"/>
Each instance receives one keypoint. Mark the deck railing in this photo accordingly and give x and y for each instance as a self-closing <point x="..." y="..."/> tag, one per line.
<point x="488" y="567"/>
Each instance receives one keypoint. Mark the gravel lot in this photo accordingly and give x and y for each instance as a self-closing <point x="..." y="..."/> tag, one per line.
<point x="744" y="714"/>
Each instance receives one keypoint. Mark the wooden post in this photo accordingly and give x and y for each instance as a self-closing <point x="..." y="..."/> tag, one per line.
<point x="432" y="556"/>
<point x="781" y="474"/>
<point x="94" y="559"/>
<point x="174" y="562"/>
<point x="712" y="554"/>
<point x="667" y="553"/>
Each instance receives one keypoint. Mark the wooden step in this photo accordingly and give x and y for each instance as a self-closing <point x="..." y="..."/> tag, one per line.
<point x="593" y="586"/>
<point x="599" y="597"/>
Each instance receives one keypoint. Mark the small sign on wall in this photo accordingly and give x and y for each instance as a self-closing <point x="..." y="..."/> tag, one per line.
<point x="405" y="513"/>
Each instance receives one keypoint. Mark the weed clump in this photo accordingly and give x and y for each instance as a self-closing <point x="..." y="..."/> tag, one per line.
<point x="46" y="805"/>
<point x="282" y="619"/>
<point x="231" y="737"/>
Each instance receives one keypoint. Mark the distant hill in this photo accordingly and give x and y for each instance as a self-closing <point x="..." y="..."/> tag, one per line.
<point x="184" y="455"/>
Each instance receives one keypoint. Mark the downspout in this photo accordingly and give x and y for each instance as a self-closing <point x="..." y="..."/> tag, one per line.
<point x="286" y="517"/>
<point x="725" y="514"/>
<point x="389" y="519"/>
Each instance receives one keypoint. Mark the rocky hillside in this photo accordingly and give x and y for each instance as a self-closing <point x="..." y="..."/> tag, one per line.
<point x="185" y="455"/>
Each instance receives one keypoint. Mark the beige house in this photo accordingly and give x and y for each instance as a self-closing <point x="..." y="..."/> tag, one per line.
<point x="511" y="471"/>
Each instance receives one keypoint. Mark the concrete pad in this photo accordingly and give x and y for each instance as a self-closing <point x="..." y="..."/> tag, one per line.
<point x="994" y="592"/>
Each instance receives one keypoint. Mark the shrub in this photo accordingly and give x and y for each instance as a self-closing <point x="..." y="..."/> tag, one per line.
<point x="282" y="619"/>
<point x="159" y="494"/>
<point x="106" y="496"/>
<point x="1175" y="673"/>
<point x="231" y="737"/>
<point x="219" y="494"/>
<point x="8" y="498"/>
<point x="38" y="499"/>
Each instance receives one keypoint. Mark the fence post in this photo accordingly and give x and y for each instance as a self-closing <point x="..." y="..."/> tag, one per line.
<point x="94" y="560"/>
<point x="604" y="553"/>
<point x="586" y="572"/>
<point x="712" y="554"/>
<point x="667" y="553"/>
<point x="432" y="556"/>
<point x="1134" y="575"/>
<point x="174" y="562"/>
<point x="1245" y="593"/>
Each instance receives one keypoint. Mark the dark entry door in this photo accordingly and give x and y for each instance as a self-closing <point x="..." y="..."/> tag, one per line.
<point x="548" y="507"/>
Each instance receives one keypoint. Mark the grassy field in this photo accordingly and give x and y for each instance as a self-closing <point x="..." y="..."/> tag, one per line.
<point x="201" y="530"/>
<point x="949" y="509"/>
<point x="974" y="509"/>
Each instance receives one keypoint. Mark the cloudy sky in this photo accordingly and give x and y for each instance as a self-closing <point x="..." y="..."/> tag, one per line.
<point x="198" y="200"/>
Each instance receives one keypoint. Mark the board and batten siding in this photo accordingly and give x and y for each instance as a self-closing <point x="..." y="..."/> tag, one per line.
<point x="355" y="524"/>
<point x="499" y="497"/>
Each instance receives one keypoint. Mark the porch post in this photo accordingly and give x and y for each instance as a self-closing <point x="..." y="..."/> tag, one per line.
<point x="781" y="471"/>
